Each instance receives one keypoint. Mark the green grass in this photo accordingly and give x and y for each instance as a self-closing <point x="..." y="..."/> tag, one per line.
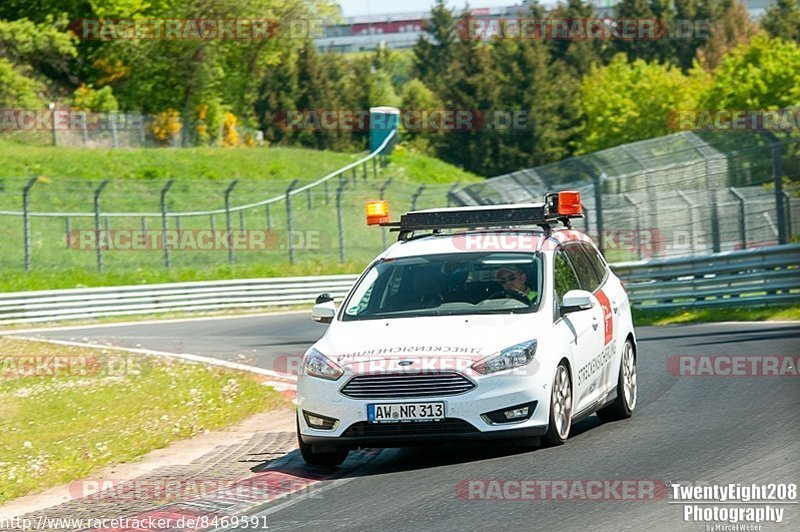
<point x="111" y="407"/>
<point x="685" y="316"/>
<point x="201" y="175"/>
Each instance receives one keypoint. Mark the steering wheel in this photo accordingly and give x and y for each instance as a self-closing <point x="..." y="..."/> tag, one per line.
<point x="512" y="294"/>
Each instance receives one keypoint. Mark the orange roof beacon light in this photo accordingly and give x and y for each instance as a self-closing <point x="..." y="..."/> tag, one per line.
<point x="569" y="203"/>
<point x="377" y="212"/>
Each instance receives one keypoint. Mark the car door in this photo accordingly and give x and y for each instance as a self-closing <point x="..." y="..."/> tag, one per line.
<point x="593" y="375"/>
<point x="580" y="328"/>
<point x="613" y="300"/>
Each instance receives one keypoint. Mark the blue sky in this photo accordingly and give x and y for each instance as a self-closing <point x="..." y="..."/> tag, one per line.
<point x="362" y="7"/>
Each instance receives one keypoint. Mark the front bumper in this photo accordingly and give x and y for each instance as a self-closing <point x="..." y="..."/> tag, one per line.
<point x="464" y="419"/>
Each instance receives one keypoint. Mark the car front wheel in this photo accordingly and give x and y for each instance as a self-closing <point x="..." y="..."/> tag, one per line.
<point x="627" y="388"/>
<point x="560" y="408"/>
<point x="329" y="458"/>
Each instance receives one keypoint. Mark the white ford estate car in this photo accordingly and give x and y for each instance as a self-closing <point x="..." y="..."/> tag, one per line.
<point x="496" y="322"/>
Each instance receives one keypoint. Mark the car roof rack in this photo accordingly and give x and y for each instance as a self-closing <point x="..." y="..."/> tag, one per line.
<point x="557" y="208"/>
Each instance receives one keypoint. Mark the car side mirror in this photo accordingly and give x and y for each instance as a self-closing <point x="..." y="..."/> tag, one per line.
<point x="324" y="309"/>
<point x="576" y="301"/>
<point x="323" y="298"/>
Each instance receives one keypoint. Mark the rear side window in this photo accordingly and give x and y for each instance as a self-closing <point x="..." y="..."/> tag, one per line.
<point x="587" y="274"/>
<point x="596" y="260"/>
<point x="563" y="276"/>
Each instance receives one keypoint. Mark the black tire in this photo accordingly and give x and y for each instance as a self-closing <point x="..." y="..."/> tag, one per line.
<point x="623" y="406"/>
<point x="559" y="425"/>
<point x="326" y="459"/>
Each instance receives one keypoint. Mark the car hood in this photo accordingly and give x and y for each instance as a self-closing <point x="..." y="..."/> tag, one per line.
<point x="442" y="337"/>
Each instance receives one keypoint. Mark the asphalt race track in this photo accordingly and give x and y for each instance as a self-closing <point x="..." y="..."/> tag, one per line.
<point x="686" y="429"/>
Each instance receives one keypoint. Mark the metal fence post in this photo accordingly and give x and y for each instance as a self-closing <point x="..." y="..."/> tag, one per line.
<point x="416" y="196"/>
<point x="715" y="239"/>
<point x="97" y="233"/>
<point x="366" y="170"/>
<point x="742" y="216"/>
<point x="52" y="107"/>
<point x="339" y="220"/>
<point x="68" y="228"/>
<point x="451" y="192"/>
<point x="308" y="199"/>
<point x="374" y="169"/>
<point x="788" y="216"/>
<point x="26" y="222"/>
<point x="598" y="205"/>
<point x="144" y="225"/>
<point x="164" y="223"/>
<point x="84" y="129"/>
<point x="586" y="219"/>
<point x="289" y="243"/>
<point x="383" y="188"/>
<point x="777" y="174"/>
<point x="692" y="226"/>
<point x="633" y="204"/>
<point x="325" y="186"/>
<point x="242" y="224"/>
<point x="212" y="223"/>
<point x="113" y="123"/>
<point x="228" y="219"/>
<point x="268" y="209"/>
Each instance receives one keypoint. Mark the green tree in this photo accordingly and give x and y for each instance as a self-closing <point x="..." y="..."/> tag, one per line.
<point x="626" y="102"/>
<point x="783" y="20"/>
<point x="433" y="51"/>
<point x="732" y="29"/>
<point x="32" y="57"/>
<point x="417" y="96"/>
<point x="576" y="54"/>
<point x="764" y="74"/>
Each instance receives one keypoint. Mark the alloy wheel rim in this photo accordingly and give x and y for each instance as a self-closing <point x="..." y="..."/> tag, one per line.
<point x="629" y="376"/>
<point x="562" y="402"/>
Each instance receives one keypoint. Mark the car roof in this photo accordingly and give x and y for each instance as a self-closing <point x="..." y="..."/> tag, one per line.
<point x="499" y="240"/>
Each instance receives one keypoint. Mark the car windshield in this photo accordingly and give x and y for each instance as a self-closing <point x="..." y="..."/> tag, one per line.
<point x="447" y="285"/>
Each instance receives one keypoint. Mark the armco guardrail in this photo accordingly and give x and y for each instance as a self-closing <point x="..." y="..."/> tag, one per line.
<point x="769" y="275"/>
<point x="52" y="305"/>
<point x="748" y="277"/>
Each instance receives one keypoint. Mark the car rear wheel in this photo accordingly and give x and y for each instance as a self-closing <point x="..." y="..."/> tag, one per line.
<point x="328" y="458"/>
<point x="560" y="408"/>
<point x="627" y="388"/>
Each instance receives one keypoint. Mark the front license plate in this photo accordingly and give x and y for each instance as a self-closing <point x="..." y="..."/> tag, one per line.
<point x="404" y="412"/>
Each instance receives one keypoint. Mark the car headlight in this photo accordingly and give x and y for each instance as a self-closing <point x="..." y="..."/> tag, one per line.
<point x="509" y="358"/>
<point x="318" y="365"/>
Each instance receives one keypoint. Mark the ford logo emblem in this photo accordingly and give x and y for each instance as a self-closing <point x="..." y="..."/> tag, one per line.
<point x="405" y="362"/>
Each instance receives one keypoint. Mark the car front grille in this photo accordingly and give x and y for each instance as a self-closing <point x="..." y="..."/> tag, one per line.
<point x="363" y="429"/>
<point x="404" y="386"/>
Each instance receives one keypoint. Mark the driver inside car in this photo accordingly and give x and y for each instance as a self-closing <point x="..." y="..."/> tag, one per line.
<point x="515" y="280"/>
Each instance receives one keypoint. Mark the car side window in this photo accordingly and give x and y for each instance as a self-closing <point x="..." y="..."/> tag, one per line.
<point x="587" y="275"/>
<point x="596" y="260"/>
<point x="564" y="277"/>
